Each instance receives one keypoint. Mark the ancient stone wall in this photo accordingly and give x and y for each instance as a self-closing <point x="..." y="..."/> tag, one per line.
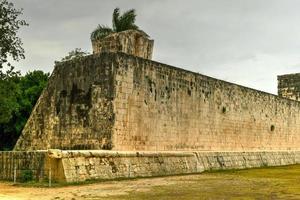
<point x="289" y="86"/>
<point x="75" y="110"/>
<point x="121" y="102"/>
<point x="160" y="107"/>
<point x="90" y="165"/>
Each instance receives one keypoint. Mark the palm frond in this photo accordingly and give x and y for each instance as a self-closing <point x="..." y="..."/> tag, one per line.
<point x="127" y="20"/>
<point x="115" y="18"/>
<point x="100" y="32"/>
<point x="120" y="22"/>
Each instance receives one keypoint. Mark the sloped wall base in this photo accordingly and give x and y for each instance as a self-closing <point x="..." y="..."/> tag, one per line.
<point x="82" y="165"/>
<point x="90" y="165"/>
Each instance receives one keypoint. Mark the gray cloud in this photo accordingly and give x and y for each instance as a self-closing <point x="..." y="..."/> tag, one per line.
<point x="248" y="42"/>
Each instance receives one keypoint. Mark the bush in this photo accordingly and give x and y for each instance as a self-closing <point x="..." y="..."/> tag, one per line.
<point x="26" y="175"/>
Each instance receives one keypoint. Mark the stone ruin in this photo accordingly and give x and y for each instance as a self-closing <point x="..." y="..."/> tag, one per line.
<point x="131" y="42"/>
<point x="117" y="113"/>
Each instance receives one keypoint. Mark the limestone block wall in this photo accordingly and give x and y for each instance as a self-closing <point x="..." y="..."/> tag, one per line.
<point x="121" y="102"/>
<point x="132" y="42"/>
<point x="90" y="165"/>
<point x="289" y="86"/>
<point x="245" y="160"/>
<point x="75" y="110"/>
<point x="160" y="107"/>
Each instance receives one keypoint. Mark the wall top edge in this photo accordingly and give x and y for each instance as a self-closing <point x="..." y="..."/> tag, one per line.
<point x="124" y="55"/>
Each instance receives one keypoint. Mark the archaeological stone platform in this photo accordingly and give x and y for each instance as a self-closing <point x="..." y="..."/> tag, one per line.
<point x="118" y="114"/>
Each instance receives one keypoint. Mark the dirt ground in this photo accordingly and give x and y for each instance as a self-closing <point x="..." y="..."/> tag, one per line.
<point x="91" y="191"/>
<point x="267" y="183"/>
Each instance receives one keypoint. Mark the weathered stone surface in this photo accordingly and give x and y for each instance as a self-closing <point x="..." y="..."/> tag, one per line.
<point x="108" y="165"/>
<point x="289" y="86"/>
<point x="132" y="42"/>
<point x="55" y="153"/>
<point x="111" y="164"/>
<point x="75" y="110"/>
<point x="159" y="107"/>
<point x="121" y="102"/>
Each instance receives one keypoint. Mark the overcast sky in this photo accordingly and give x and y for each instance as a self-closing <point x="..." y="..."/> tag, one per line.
<point x="248" y="42"/>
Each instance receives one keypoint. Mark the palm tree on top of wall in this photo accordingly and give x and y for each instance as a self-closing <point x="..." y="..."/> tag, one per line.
<point x="119" y="23"/>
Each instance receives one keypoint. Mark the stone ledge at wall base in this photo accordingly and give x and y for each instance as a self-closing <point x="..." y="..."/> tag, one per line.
<point x="83" y="165"/>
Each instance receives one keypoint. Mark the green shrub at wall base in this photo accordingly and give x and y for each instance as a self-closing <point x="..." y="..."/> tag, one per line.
<point x="26" y="175"/>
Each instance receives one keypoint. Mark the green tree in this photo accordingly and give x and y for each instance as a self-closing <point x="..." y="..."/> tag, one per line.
<point x="10" y="43"/>
<point x="119" y="23"/>
<point x="24" y="92"/>
<point x="8" y="95"/>
<point x="10" y="46"/>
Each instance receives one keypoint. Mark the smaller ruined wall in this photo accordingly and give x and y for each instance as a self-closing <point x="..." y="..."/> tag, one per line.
<point x="22" y="162"/>
<point x="82" y="165"/>
<point x="244" y="160"/>
<point x="90" y="165"/>
<point x="289" y="86"/>
<point x="132" y="42"/>
<point x="85" y="165"/>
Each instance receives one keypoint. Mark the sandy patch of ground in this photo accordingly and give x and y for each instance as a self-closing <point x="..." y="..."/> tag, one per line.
<point x="91" y="191"/>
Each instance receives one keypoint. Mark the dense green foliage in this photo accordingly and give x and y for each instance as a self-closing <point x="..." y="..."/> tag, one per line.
<point x="119" y="23"/>
<point x="18" y="95"/>
<point x="10" y="43"/>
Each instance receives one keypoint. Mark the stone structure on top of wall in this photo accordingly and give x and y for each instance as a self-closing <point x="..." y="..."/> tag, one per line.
<point x="121" y="101"/>
<point x="289" y="86"/>
<point x="132" y="42"/>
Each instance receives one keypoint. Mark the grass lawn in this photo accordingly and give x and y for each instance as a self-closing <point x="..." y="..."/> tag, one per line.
<point x="267" y="183"/>
<point x="264" y="183"/>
